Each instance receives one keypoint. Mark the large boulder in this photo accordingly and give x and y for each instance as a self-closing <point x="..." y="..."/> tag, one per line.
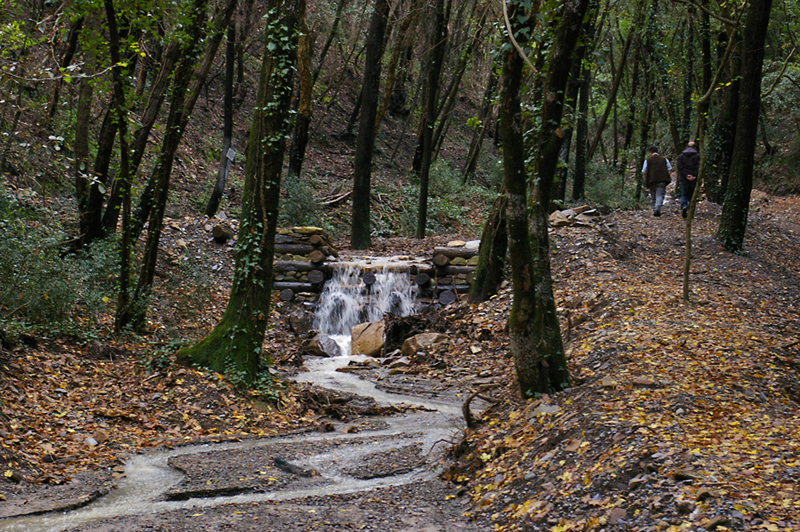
<point x="367" y="338"/>
<point x="424" y="343"/>
<point x="322" y="345"/>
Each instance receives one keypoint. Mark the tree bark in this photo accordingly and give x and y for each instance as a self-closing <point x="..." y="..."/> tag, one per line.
<point x="438" y="41"/>
<point x="533" y="327"/>
<point x="362" y="172"/>
<point x="491" y="254"/>
<point x="163" y="168"/>
<point x="227" y="128"/>
<point x="302" y="123"/>
<point x="121" y="118"/>
<point x="234" y="346"/>
<point x="733" y="222"/>
<point x="87" y="188"/>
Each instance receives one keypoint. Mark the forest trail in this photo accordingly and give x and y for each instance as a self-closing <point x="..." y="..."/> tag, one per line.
<point x="379" y="473"/>
<point x="682" y="416"/>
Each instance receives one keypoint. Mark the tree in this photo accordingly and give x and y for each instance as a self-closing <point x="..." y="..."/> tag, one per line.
<point x="160" y="179"/>
<point x="533" y="329"/>
<point x="436" y="58"/>
<point x="235" y="343"/>
<point x="227" y="128"/>
<point x="362" y="171"/>
<point x="733" y="222"/>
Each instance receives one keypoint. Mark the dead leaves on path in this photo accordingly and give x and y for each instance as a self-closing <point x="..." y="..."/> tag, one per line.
<point x="682" y="417"/>
<point x="64" y="411"/>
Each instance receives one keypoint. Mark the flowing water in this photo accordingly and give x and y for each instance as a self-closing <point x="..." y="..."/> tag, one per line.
<point x="347" y="301"/>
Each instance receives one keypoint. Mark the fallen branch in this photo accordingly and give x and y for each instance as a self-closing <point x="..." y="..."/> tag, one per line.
<point x="477" y="393"/>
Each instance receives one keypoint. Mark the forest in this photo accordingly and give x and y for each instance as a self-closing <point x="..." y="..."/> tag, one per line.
<point x="153" y="153"/>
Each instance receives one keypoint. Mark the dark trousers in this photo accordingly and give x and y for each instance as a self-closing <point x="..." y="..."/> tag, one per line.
<point x="687" y="190"/>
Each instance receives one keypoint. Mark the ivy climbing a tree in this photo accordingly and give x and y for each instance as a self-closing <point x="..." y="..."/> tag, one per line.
<point x="234" y="346"/>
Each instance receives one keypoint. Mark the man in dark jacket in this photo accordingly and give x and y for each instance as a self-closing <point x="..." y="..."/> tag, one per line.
<point x="688" y="166"/>
<point x="656" y="176"/>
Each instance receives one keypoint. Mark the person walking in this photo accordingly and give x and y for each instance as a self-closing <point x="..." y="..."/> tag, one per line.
<point x="656" y="176"/>
<point x="688" y="164"/>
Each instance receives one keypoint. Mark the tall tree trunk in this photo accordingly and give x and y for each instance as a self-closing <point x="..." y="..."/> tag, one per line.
<point x="581" y="136"/>
<point x="235" y="343"/>
<point x="302" y="121"/>
<point x="548" y="332"/>
<point x="227" y="128"/>
<point x="531" y="369"/>
<point x="491" y="254"/>
<point x="733" y="222"/>
<point x="121" y="117"/>
<point x="334" y="28"/>
<point x="362" y="171"/>
<point x="87" y="188"/>
<point x="198" y="79"/>
<point x="158" y="92"/>
<point x="719" y="148"/>
<point x="688" y="85"/>
<point x="571" y="101"/>
<point x="612" y="97"/>
<point x="163" y="166"/>
<point x="533" y="325"/>
<point x="438" y="42"/>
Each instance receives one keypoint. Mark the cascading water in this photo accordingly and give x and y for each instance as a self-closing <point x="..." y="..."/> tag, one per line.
<point x="347" y="300"/>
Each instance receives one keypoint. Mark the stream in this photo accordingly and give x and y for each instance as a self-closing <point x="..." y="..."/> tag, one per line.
<point x="392" y="451"/>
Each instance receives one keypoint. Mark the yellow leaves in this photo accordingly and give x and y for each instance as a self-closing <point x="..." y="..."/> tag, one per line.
<point x="8" y="473"/>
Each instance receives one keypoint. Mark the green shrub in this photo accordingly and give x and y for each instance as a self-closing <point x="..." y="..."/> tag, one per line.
<point x="298" y="206"/>
<point x="42" y="282"/>
<point x="606" y="186"/>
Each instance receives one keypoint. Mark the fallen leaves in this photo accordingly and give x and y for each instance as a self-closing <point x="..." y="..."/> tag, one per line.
<point x="684" y="414"/>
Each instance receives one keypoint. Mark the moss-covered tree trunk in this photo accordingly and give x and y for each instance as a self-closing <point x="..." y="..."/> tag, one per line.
<point x="533" y="326"/>
<point x="492" y="253"/>
<point x="528" y="359"/>
<point x="550" y="140"/>
<point x="235" y="343"/>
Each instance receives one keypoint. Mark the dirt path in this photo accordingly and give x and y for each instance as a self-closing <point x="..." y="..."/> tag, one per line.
<point x="377" y="473"/>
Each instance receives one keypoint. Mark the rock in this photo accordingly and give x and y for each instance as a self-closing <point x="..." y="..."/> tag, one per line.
<point x="100" y="436"/>
<point x="401" y="362"/>
<point x="715" y="522"/>
<point x="684" y="506"/>
<point x="322" y="345"/>
<point x="637" y="481"/>
<point x="91" y="442"/>
<point x="703" y="494"/>
<point x="367" y="338"/>
<point x="221" y="234"/>
<point x="425" y="343"/>
<point x="181" y="244"/>
<point x="301" y="322"/>
<point x="456" y="244"/>
<point x="608" y="382"/>
<point x="616" y="515"/>
<point x="473" y="244"/>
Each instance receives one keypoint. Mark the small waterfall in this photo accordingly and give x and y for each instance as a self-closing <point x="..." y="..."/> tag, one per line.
<point x="347" y="300"/>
